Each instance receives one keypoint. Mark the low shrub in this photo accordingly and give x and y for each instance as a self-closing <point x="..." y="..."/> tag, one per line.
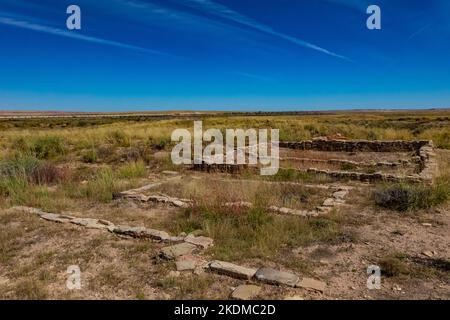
<point x="405" y="197"/>
<point x="393" y="266"/>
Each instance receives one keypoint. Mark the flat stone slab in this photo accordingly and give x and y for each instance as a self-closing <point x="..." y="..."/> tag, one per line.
<point x="189" y="262"/>
<point x="92" y="223"/>
<point x="312" y="284"/>
<point x="294" y="212"/>
<point x="329" y="202"/>
<point x="232" y="270"/>
<point x="323" y="209"/>
<point x="239" y="204"/>
<point x="246" y="292"/>
<point x="340" y="194"/>
<point x="200" y="241"/>
<point x="272" y="276"/>
<point x="172" y="252"/>
<point x="53" y="217"/>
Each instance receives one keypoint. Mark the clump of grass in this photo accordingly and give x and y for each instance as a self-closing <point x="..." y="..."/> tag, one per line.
<point x="90" y="156"/>
<point x="347" y="166"/>
<point x="117" y="137"/>
<point x="42" y="147"/>
<point x="132" y="170"/>
<point x="393" y="266"/>
<point x="159" y="143"/>
<point x="408" y="197"/>
<point x="31" y="290"/>
<point x="101" y="187"/>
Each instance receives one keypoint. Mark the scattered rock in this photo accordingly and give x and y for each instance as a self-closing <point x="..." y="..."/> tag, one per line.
<point x="246" y="292"/>
<point x="273" y="276"/>
<point x="311" y="284"/>
<point x="428" y="253"/>
<point x="200" y="241"/>
<point x="170" y="173"/>
<point x="231" y="269"/>
<point x="172" y="252"/>
<point x="396" y="287"/>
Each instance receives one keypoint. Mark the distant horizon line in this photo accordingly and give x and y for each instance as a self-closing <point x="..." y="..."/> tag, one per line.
<point x="223" y="110"/>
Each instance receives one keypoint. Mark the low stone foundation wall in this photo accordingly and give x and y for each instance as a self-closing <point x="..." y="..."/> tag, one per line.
<point x="224" y="168"/>
<point x="355" y="145"/>
<point x="423" y="150"/>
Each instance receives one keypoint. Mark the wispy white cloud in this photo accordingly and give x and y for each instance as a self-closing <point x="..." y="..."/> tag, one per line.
<point x="72" y="34"/>
<point x="253" y="76"/>
<point x="419" y="31"/>
<point x="224" y="12"/>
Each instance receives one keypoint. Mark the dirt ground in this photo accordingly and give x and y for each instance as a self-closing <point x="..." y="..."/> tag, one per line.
<point x="36" y="254"/>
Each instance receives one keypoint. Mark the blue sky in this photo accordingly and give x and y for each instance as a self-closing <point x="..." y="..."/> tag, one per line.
<point x="224" y="55"/>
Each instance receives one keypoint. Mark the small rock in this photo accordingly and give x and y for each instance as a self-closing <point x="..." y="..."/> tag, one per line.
<point x="312" y="284"/>
<point x="428" y="253"/>
<point x="172" y="252"/>
<point x="170" y="173"/>
<point x="245" y="292"/>
<point x="273" y="276"/>
<point x="396" y="287"/>
<point x="427" y="224"/>
<point x="232" y="270"/>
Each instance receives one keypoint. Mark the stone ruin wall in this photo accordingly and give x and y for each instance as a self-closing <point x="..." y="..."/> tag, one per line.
<point x="356" y="145"/>
<point x="423" y="149"/>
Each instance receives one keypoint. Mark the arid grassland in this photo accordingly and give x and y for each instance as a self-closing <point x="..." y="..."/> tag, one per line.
<point x="78" y="166"/>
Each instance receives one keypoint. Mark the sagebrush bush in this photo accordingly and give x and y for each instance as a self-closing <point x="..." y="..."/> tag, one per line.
<point x="406" y="197"/>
